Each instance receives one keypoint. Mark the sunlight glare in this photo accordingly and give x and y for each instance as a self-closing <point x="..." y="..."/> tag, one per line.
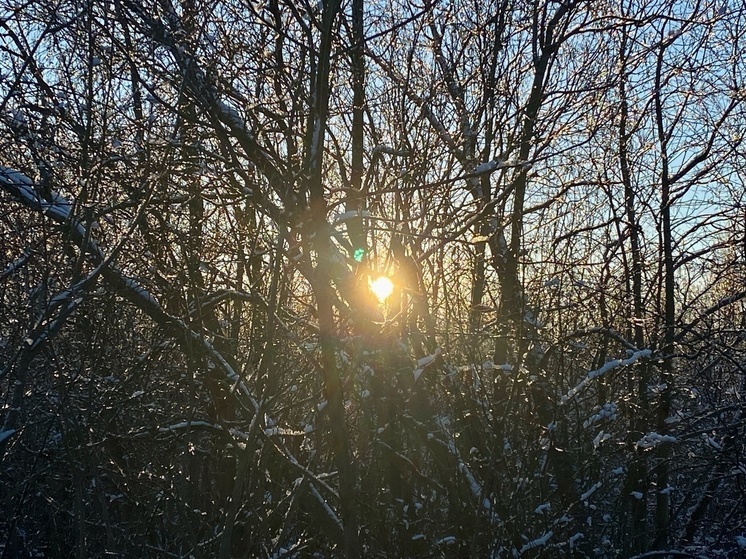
<point x="382" y="287"/>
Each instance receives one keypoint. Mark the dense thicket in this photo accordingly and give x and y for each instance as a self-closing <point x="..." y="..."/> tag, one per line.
<point x="195" y="196"/>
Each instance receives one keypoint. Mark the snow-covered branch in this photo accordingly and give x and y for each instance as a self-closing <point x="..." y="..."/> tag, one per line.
<point x="610" y="366"/>
<point x="24" y="189"/>
<point x="538" y="542"/>
<point x="651" y="440"/>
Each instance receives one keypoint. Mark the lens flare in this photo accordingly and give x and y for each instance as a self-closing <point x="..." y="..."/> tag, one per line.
<point x="382" y="287"/>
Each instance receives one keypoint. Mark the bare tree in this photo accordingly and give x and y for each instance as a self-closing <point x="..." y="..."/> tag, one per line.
<point x="196" y="194"/>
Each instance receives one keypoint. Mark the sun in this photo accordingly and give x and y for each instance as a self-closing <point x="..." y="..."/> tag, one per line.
<point x="382" y="287"/>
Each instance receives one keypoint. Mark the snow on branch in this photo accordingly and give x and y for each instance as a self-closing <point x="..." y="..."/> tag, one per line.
<point x="314" y="479"/>
<point x="349" y="215"/>
<point x="488" y="167"/>
<point x="388" y="150"/>
<point x="186" y="425"/>
<point x="595" y="487"/>
<point x="23" y="188"/>
<point x="538" y="542"/>
<point x="607" y="411"/>
<point x="610" y="366"/>
<point x="651" y="440"/>
<point x="230" y="116"/>
<point x="476" y="488"/>
<point x="327" y="509"/>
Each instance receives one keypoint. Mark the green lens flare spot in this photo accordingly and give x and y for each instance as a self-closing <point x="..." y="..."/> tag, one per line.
<point x="359" y="254"/>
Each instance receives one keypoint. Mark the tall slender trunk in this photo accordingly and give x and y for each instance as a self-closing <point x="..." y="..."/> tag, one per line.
<point x="662" y="510"/>
<point x="637" y="478"/>
<point x="322" y="286"/>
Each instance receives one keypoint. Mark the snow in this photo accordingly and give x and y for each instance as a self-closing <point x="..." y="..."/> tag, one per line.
<point x="425" y="361"/>
<point x="231" y="116"/>
<point x="600" y="438"/>
<point x="274" y="430"/>
<point x="140" y="291"/>
<point x="741" y="541"/>
<point x="23" y="187"/>
<point x="591" y="491"/>
<point x="538" y="542"/>
<point x="651" y="440"/>
<point x="712" y="442"/>
<point x="607" y="411"/>
<point x="479" y="239"/>
<point x="488" y="167"/>
<point x="184" y="425"/>
<point x="637" y="495"/>
<point x="330" y="513"/>
<point x="448" y="540"/>
<point x="347" y="216"/>
<point x="476" y="488"/>
<point x="541" y="508"/>
<point x="610" y="366"/>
